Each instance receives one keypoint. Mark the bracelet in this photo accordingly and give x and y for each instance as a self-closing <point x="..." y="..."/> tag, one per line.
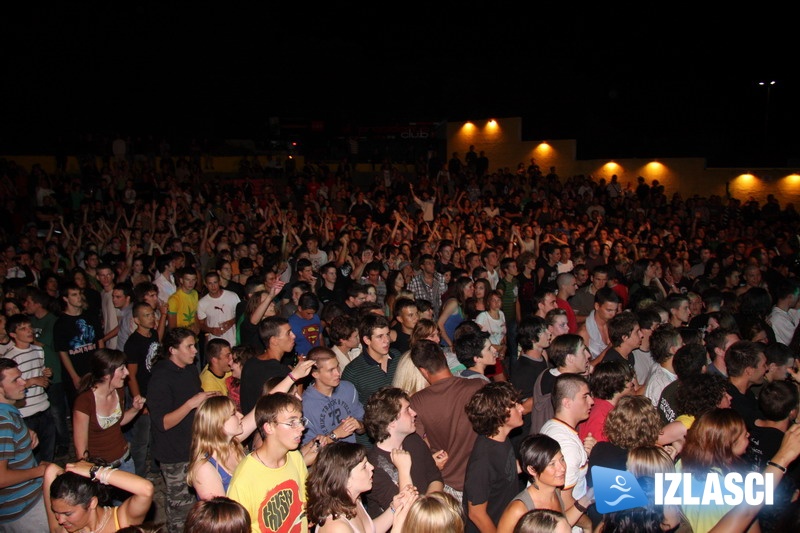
<point x="776" y="465"/>
<point x="294" y="379"/>
<point x="580" y="507"/>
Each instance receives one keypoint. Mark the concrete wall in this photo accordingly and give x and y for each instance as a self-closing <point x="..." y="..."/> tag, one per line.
<point x="502" y="142"/>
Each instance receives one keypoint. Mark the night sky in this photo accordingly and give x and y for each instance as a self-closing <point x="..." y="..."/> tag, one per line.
<point x="643" y="82"/>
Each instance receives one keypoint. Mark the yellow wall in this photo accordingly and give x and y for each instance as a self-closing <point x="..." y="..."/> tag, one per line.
<point x="503" y="145"/>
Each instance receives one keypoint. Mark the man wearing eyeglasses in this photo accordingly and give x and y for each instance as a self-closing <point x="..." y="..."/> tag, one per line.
<point x="271" y="482"/>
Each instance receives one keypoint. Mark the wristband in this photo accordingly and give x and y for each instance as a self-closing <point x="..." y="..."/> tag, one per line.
<point x="294" y="379"/>
<point x="580" y="507"/>
<point x="776" y="465"/>
<point x="93" y="473"/>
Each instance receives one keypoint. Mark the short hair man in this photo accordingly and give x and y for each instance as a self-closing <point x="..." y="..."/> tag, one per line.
<point x="407" y="315"/>
<point x="165" y="279"/>
<point x="594" y="329"/>
<point x="218" y="368"/>
<point x="509" y="287"/>
<point x="610" y="381"/>
<point x="584" y="299"/>
<point x="183" y="302"/>
<point x="343" y="335"/>
<point x="625" y="335"/>
<point x="216" y="310"/>
<point x="544" y="299"/>
<point x="572" y="401"/>
<point x="36" y="305"/>
<point x="277" y="336"/>
<point x="664" y="344"/>
<point x="440" y="412"/>
<point x="122" y="297"/>
<point x="391" y="423"/>
<point x="141" y="351"/>
<point x="173" y="395"/>
<point x="105" y="274"/>
<point x="30" y="358"/>
<point x="747" y="365"/>
<point x="356" y="296"/>
<point x="784" y="315"/>
<point x="717" y="343"/>
<point x="21" y="503"/>
<point x="76" y="337"/>
<point x="330" y="403"/>
<point x="678" y="307"/>
<point x="566" y="287"/>
<point x="271" y="481"/>
<point x="491" y="480"/>
<point x="428" y="284"/>
<point x="689" y="361"/>
<point x="306" y="323"/>
<point x="475" y="351"/>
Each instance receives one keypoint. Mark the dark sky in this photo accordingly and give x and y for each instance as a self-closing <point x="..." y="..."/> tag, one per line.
<point x="639" y="82"/>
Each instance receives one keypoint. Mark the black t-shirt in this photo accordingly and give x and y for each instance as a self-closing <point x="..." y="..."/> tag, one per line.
<point x="745" y="404"/>
<point x="255" y="373"/>
<point x="78" y="336"/>
<point x="249" y="335"/>
<point x="141" y="351"/>
<point x="613" y="355"/>
<point x="491" y="478"/>
<point x="170" y="387"/>
<point x="403" y="342"/>
<point x="526" y="370"/>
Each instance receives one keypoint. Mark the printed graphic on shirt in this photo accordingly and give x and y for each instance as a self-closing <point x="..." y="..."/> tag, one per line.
<point x="282" y="511"/>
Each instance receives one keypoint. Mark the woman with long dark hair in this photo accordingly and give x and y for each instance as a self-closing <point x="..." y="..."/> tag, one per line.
<point x="452" y="313"/>
<point x="99" y="411"/>
<point x="74" y="499"/>
<point x="335" y="486"/>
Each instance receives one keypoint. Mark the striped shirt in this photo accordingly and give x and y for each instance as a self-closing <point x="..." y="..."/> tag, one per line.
<point x="30" y="361"/>
<point x="367" y="375"/>
<point x="15" y="448"/>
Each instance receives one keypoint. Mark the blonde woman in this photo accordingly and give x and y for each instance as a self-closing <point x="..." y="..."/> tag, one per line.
<point x="646" y="461"/>
<point x="217" y="432"/>
<point x="438" y="512"/>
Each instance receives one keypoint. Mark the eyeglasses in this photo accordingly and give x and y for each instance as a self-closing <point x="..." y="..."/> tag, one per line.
<point x="296" y="423"/>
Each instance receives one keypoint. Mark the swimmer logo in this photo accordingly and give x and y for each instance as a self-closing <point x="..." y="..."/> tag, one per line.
<point x="616" y="490"/>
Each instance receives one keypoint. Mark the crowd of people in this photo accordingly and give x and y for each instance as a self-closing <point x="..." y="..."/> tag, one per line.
<point x="448" y="351"/>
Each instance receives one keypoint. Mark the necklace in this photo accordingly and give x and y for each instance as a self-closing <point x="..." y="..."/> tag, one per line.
<point x="103" y="522"/>
<point x="259" y="459"/>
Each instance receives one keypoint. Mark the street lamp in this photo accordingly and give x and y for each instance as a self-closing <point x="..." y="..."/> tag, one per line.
<point x="768" y="85"/>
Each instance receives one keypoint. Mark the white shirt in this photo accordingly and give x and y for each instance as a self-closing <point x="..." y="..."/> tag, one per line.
<point x="659" y="379"/>
<point x="575" y="455"/>
<point x="215" y="311"/>
<point x="783" y="323"/>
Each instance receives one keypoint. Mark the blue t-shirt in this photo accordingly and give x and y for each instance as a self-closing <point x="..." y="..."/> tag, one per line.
<point x="308" y="333"/>
<point x="326" y="413"/>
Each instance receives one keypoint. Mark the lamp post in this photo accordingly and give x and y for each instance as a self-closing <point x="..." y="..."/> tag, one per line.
<point x="768" y="85"/>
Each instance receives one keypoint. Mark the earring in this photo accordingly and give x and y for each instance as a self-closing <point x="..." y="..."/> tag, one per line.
<point x="533" y="482"/>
